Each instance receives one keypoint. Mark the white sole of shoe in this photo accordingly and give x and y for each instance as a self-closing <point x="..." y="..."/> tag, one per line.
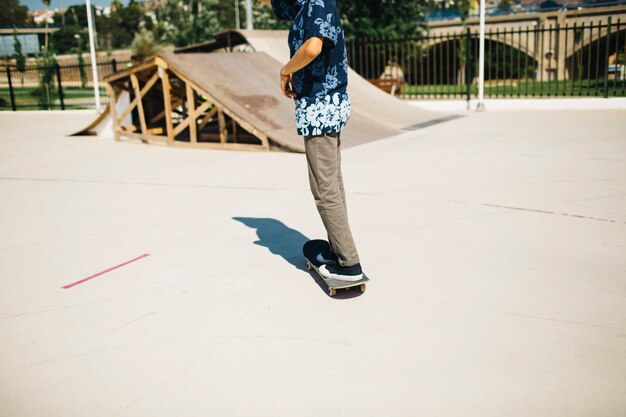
<point x="328" y="275"/>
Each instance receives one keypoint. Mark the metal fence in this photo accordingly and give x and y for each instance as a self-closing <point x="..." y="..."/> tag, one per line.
<point x="54" y="87"/>
<point x="586" y="60"/>
<point x="539" y="61"/>
<point x="540" y="6"/>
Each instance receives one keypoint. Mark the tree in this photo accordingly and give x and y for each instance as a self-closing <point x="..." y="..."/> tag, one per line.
<point x="20" y="59"/>
<point x="46" y="62"/>
<point x="188" y="21"/>
<point x="387" y="18"/>
<point x="119" y="29"/>
<point x="225" y="12"/>
<point x="464" y="7"/>
<point x="12" y="13"/>
<point x="264" y="17"/>
<point x="73" y="21"/>
<point x="64" y="39"/>
<point x="80" y="48"/>
<point x="77" y="15"/>
<point x="144" y="45"/>
<point x="382" y="17"/>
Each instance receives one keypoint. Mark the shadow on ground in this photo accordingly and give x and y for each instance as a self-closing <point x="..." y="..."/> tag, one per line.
<point x="287" y="243"/>
<point x="278" y="238"/>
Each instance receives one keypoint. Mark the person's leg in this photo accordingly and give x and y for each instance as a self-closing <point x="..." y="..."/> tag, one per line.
<point x="339" y="176"/>
<point x="339" y="180"/>
<point x="324" y="173"/>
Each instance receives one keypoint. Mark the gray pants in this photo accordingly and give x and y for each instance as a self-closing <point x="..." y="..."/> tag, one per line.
<point x="324" y="163"/>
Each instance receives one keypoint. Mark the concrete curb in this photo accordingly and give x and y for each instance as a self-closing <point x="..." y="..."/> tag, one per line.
<point x="71" y="111"/>
<point x="595" y="103"/>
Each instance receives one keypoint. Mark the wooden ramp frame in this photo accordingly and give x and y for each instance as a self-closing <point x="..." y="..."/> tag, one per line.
<point x="169" y="108"/>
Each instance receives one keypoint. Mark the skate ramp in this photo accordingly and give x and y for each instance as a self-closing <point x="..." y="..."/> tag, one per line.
<point x="246" y="86"/>
<point x="367" y="100"/>
<point x="103" y="124"/>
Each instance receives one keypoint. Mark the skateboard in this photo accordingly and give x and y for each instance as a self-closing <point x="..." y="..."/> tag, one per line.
<point x="314" y="247"/>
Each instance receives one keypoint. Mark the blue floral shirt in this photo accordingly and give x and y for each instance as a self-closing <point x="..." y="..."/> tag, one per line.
<point x="322" y="100"/>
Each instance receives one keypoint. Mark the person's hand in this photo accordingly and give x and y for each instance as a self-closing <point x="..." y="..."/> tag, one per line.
<point x="286" y="84"/>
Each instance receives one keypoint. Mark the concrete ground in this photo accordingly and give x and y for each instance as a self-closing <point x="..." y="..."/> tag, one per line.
<point x="496" y="246"/>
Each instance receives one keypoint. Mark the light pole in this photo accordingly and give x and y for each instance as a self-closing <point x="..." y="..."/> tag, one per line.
<point x="237" y="22"/>
<point x="481" y="59"/>
<point x="92" y="51"/>
<point x="249" y="24"/>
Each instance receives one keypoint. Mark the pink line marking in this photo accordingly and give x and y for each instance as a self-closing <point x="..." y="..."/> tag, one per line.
<point x="105" y="271"/>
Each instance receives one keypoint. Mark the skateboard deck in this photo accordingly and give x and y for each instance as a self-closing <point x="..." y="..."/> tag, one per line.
<point x="314" y="247"/>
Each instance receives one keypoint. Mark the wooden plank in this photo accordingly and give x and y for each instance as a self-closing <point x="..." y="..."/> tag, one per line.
<point x="235" y="134"/>
<point x="161" y="114"/>
<point x="161" y="63"/>
<point x="143" y="91"/>
<point x="222" y="126"/>
<point x="130" y="108"/>
<point x="127" y="71"/>
<point x="177" y="91"/>
<point x="191" y="110"/>
<point x="123" y="86"/>
<point x="181" y="126"/>
<point x="144" y="136"/>
<point x="203" y="107"/>
<point x="87" y="129"/>
<point x="256" y="132"/>
<point x="228" y="146"/>
<point x="139" y="97"/>
<point x="167" y="102"/>
<point x="113" y="110"/>
<point x="150" y="83"/>
<point x="207" y="117"/>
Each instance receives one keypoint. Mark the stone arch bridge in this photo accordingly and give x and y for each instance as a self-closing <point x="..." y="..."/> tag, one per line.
<point x="553" y="39"/>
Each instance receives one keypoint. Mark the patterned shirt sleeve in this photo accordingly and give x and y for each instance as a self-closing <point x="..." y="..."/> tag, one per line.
<point x="321" y="19"/>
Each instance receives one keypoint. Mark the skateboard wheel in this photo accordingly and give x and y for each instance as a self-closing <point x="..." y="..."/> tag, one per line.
<point x="332" y="292"/>
<point x="362" y="287"/>
<point x="309" y="266"/>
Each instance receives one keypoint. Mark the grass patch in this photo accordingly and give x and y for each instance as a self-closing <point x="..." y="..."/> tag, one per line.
<point x="515" y="88"/>
<point x="27" y="98"/>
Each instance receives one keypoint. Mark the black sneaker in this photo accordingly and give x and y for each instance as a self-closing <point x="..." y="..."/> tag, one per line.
<point x="328" y="257"/>
<point x="342" y="273"/>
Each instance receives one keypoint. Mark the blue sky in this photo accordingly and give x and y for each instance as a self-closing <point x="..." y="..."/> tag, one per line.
<point x="59" y="4"/>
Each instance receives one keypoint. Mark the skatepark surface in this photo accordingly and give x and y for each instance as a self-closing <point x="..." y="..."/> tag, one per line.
<point x="495" y="244"/>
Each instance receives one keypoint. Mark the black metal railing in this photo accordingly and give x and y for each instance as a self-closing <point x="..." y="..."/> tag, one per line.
<point x="53" y="87"/>
<point x="580" y="60"/>
<point x="545" y="61"/>
<point x="540" y="6"/>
